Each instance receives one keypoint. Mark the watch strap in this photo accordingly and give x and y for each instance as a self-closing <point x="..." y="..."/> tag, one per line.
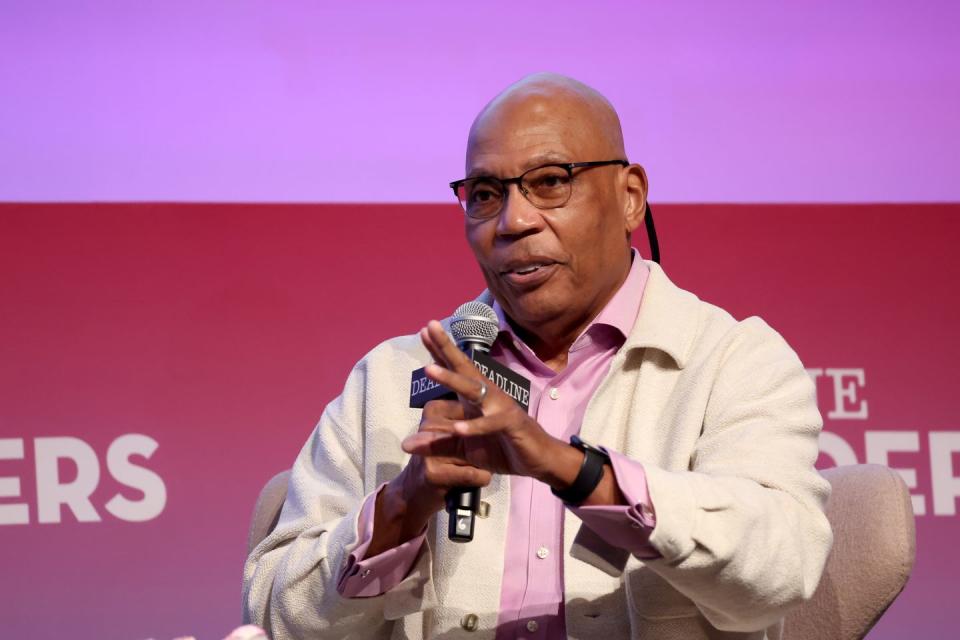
<point x="590" y="475"/>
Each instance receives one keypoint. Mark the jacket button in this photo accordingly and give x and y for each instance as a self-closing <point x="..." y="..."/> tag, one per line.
<point x="483" y="511"/>
<point x="532" y="626"/>
<point x="470" y="622"/>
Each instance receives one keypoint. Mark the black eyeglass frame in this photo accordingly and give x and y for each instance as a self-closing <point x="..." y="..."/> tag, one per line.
<point x="506" y="182"/>
<point x="569" y="166"/>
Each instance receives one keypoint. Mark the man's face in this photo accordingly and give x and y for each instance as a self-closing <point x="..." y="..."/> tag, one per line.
<point x="553" y="268"/>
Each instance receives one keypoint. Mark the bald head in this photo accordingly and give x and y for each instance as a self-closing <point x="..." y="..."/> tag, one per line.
<point x="553" y="267"/>
<point x="550" y="100"/>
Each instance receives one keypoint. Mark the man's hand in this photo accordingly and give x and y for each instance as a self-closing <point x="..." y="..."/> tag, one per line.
<point x="484" y="430"/>
<point x="410" y="500"/>
<point x="461" y="443"/>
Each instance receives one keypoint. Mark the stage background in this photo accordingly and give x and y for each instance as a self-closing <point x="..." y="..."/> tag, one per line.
<point x="167" y="354"/>
<point x="221" y="331"/>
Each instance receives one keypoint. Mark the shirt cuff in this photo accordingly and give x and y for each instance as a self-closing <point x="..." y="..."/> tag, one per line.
<point x="624" y="526"/>
<point x="363" y="577"/>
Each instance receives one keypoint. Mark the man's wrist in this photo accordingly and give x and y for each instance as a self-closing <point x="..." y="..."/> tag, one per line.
<point x="563" y="465"/>
<point x="396" y="518"/>
<point x="590" y="475"/>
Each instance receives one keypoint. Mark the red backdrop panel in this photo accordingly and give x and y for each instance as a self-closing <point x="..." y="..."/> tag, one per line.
<point x="221" y="331"/>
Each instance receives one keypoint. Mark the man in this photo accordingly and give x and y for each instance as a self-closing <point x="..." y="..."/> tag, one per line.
<point x="700" y="517"/>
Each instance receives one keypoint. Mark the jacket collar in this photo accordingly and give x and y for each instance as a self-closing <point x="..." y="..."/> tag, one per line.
<point x="667" y="320"/>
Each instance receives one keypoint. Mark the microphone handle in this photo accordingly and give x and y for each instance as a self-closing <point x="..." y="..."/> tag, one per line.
<point x="462" y="505"/>
<point x="463" y="502"/>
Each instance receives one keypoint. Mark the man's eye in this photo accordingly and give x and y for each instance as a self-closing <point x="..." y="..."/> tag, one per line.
<point x="483" y="195"/>
<point x="550" y="181"/>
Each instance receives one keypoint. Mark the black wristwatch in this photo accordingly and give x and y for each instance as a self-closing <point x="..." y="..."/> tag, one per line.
<point x="591" y="473"/>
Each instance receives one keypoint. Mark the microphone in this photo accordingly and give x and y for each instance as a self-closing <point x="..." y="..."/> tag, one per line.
<point x="474" y="328"/>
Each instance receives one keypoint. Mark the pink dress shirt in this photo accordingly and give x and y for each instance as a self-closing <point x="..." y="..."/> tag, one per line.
<point x="531" y="596"/>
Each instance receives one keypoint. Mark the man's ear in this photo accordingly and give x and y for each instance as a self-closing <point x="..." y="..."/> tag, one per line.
<point x="635" y="204"/>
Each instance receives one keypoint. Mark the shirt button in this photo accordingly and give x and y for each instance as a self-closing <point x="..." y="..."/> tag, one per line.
<point x="543" y="552"/>
<point x="366" y="573"/>
<point x="470" y="622"/>
<point x="554" y="393"/>
<point x="532" y="626"/>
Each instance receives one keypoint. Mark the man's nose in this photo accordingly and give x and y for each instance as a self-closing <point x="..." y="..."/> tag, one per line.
<point x="518" y="215"/>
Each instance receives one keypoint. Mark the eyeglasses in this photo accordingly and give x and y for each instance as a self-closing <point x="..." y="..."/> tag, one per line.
<point x="546" y="187"/>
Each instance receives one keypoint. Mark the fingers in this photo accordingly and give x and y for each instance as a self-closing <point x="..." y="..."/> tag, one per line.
<point x="449" y="353"/>
<point x="451" y="475"/>
<point x="470" y="388"/>
<point x="429" y="344"/>
<point x="442" y="472"/>
<point x="433" y="443"/>
<point x="435" y="436"/>
<point x="438" y="414"/>
<point x="444" y="351"/>
<point x="455" y="370"/>
<point x="428" y="341"/>
<point x="482" y="426"/>
<point x="475" y="389"/>
<point x="510" y="418"/>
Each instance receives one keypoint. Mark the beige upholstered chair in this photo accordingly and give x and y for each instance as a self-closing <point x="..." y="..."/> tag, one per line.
<point x="873" y="550"/>
<point x="266" y="512"/>
<point x="874" y="544"/>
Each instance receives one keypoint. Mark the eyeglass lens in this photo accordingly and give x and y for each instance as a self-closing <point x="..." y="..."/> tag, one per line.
<point x="544" y="187"/>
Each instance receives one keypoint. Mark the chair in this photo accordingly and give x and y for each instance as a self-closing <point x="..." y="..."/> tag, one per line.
<point x="266" y="512"/>
<point x="872" y="556"/>
<point x="874" y="546"/>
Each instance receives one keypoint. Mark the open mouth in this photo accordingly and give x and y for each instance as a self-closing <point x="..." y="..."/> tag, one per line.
<point x="529" y="274"/>
<point x="527" y="269"/>
<point x="526" y="266"/>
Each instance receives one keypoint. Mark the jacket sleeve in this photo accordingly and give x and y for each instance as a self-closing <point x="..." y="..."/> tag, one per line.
<point x="625" y="527"/>
<point x="363" y="577"/>
<point x="742" y="533"/>
<point x="290" y="579"/>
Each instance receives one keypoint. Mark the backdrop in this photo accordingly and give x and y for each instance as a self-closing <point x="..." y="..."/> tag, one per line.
<point x="304" y="100"/>
<point x="159" y="362"/>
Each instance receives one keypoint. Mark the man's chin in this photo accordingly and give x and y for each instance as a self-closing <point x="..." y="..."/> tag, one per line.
<point x="532" y="309"/>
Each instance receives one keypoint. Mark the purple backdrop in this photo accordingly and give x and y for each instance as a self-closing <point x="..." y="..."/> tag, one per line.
<point x="335" y="101"/>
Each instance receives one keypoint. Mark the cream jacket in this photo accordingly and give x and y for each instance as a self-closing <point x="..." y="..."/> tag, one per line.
<point x="723" y="417"/>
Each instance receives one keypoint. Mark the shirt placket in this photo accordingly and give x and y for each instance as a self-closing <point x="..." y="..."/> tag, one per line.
<point x="545" y="542"/>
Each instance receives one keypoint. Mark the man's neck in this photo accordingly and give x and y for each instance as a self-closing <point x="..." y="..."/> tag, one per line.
<point x="551" y="349"/>
<point x="552" y="340"/>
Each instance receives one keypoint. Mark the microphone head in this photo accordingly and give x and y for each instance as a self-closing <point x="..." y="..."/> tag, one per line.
<point x="474" y="323"/>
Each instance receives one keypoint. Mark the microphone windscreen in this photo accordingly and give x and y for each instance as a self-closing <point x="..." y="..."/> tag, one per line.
<point x="474" y="322"/>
